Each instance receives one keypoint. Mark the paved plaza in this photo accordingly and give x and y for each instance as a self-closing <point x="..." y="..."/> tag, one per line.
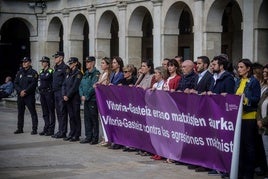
<point x="33" y="156"/>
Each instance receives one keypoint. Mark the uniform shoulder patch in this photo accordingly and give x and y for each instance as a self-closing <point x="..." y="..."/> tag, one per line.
<point x="50" y="70"/>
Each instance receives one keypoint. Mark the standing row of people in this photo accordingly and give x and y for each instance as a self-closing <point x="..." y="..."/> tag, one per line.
<point x="66" y="86"/>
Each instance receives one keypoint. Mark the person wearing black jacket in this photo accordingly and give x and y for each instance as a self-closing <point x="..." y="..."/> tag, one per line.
<point x="47" y="97"/>
<point x="25" y="83"/>
<point x="60" y="72"/>
<point x="71" y="97"/>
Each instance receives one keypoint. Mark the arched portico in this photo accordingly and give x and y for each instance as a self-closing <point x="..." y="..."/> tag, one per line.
<point x="79" y="34"/>
<point x="223" y="32"/>
<point x="107" y="35"/>
<point x="178" y="31"/>
<point x="140" y="38"/>
<point x="15" y="44"/>
<point x="54" y="36"/>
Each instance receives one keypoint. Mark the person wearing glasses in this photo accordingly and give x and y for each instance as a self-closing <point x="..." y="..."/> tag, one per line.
<point x="25" y="83"/>
<point x="129" y="78"/>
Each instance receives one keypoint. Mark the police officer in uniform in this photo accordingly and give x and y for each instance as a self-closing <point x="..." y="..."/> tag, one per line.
<point x="25" y="83"/>
<point x="47" y="97"/>
<point x="70" y="91"/>
<point x="87" y="93"/>
<point x="60" y="72"/>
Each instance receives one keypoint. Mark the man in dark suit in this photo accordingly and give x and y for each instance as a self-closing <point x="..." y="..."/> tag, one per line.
<point x="205" y="77"/>
<point x="202" y="85"/>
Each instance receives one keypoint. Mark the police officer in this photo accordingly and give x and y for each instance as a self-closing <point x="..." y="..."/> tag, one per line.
<point x="70" y="91"/>
<point x="47" y="97"/>
<point x="60" y="72"/>
<point x="87" y="93"/>
<point x="25" y="83"/>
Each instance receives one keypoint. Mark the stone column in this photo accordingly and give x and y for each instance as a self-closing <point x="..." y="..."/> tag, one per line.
<point x="157" y="42"/>
<point x="92" y="26"/>
<point x="76" y="46"/>
<point x="170" y="42"/>
<point x="122" y="30"/>
<point x="34" y="52"/>
<point x="103" y="45"/>
<point x="198" y="28"/>
<point x="134" y="40"/>
<point x="212" y="42"/>
<point x="66" y="29"/>
<point x="248" y="32"/>
<point x="38" y="43"/>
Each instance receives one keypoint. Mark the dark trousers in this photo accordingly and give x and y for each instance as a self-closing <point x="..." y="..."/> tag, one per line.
<point x="61" y="112"/>
<point x="73" y="108"/>
<point x="28" y="101"/>
<point x="91" y="120"/>
<point x="247" y="148"/>
<point x="260" y="153"/>
<point x="48" y="109"/>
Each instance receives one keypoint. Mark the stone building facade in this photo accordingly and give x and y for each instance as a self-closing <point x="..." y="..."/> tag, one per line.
<point x="132" y="29"/>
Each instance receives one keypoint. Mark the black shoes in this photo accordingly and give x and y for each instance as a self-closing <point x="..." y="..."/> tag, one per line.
<point x="85" y="141"/>
<point x="67" y="138"/>
<point x="18" y="131"/>
<point x="58" y="136"/>
<point x="115" y="146"/>
<point x="94" y="142"/>
<point x="34" y="132"/>
<point x="49" y="133"/>
<point x="42" y="133"/>
<point x="74" y="139"/>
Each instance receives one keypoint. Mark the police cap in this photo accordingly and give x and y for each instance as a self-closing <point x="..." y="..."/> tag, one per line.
<point x="26" y="59"/>
<point x="72" y="60"/>
<point x="59" y="53"/>
<point x="90" y="59"/>
<point x="45" y="59"/>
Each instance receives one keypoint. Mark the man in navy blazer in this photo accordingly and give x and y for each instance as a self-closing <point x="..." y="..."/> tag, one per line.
<point x="205" y="77"/>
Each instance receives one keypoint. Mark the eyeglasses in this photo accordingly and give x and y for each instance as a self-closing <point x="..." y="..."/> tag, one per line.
<point x="126" y="71"/>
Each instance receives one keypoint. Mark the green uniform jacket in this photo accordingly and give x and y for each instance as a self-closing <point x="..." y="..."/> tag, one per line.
<point x="86" y="86"/>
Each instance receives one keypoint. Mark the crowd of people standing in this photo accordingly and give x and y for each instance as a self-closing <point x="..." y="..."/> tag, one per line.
<point x="66" y="86"/>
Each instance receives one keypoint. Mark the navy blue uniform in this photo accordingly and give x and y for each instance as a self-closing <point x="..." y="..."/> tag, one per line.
<point x="60" y="72"/>
<point x="70" y="89"/>
<point x="47" y="100"/>
<point x="26" y="80"/>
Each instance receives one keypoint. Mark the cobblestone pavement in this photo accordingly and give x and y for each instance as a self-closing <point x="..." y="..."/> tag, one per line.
<point x="33" y="156"/>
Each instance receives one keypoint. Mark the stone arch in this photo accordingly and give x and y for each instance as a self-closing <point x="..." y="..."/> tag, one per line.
<point x="140" y="37"/>
<point x="178" y="31"/>
<point x="15" y="44"/>
<point x="223" y="30"/>
<point x="107" y="35"/>
<point x="262" y="34"/>
<point x="79" y="37"/>
<point x="54" y="36"/>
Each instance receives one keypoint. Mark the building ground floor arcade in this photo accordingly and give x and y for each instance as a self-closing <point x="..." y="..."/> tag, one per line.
<point x="133" y="30"/>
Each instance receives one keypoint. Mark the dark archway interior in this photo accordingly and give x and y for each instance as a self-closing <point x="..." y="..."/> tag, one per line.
<point x="147" y="38"/>
<point x="114" y="43"/>
<point x="14" y="45"/>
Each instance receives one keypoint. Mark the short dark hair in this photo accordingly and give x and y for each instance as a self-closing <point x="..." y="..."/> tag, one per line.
<point x="204" y="59"/>
<point x="221" y="61"/>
